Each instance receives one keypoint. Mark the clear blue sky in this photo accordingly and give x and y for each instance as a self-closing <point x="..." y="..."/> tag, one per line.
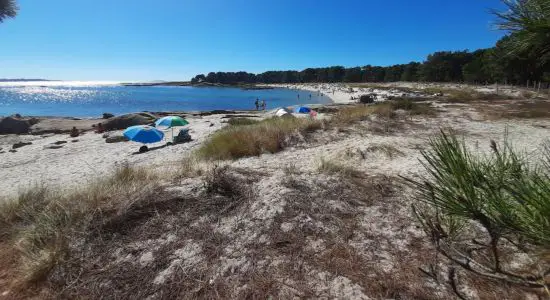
<point x="177" y="39"/>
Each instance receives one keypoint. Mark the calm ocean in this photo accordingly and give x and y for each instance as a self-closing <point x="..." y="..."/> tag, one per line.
<point x="82" y="99"/>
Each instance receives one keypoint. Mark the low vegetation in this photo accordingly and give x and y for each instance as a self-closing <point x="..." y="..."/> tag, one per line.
<point x="267" y="136"/>
<point x="538" y="109"/>
<point x="242" y="121"/>
<point x="485" y="212"/>
<point x="44" y="222"/>
<point x="388" y="150"/>
<point x="332" y="167"/>
<point x="388" y="110"/>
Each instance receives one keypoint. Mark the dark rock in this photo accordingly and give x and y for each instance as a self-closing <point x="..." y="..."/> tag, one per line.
<point x="16" y="116"/>
<point x="53" y="146"/>
<point x="74" y="141"/>
<point x="33" y="121"/>
<point x="13" y="151"/>
<point x="211" y="125"/>
<point x="125" y="121"/>
<point x="20" y="144"/>
<point x="60" y="142"/>
<point x="115" y="139"/>
<point x="326" y="109"/>
<point x="365" y="99"/>
<point x="14" y="125"/>
<point x="107" y="115"/>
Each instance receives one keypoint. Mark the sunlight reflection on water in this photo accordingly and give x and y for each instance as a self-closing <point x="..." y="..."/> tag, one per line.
<point x="91" y="100"/>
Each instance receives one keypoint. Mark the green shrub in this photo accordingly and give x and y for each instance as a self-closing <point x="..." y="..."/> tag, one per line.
<point x="500" y="193"/>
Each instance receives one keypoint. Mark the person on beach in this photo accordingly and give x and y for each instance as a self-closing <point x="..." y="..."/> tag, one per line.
<point x="74" y="132"/>
<point x="99" y="128"/>
<point x="257" y="104"/>
<point x="309" y="96"/>
<point x="263" y="105"/>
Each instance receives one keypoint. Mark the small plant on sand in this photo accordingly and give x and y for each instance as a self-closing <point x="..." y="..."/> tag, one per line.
<point x="267" y="136"/>
<point x="481" y="212"/>
<point x="333" y="167"/>
<point x="389" y="150"/>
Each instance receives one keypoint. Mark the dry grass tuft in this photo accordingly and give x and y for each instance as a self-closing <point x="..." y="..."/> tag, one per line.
<point x="389" y="150"/>
<point x="43" y="221"/>
<point x="533" y="109"/>
<point x="333" y="167"/>
<point x="386" y="110"/>
<point x="267" y="136"/>
<point x="242" y="121"/>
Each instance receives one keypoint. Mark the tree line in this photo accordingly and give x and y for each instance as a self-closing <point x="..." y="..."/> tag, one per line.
<point x="496" y="64"/>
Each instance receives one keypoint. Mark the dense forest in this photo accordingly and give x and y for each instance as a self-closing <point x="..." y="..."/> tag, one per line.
<point x="491" y="65"/>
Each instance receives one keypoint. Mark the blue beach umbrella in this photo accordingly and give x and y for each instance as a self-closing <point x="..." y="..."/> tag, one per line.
<point x="302" y="110"/>
<point x="143" y="134"/>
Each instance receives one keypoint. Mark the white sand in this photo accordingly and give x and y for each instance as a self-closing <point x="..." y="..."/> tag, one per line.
<point x="90" y="157"/>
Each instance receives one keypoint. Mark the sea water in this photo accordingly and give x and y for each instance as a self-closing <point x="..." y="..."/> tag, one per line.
<point x="92" y="99"/>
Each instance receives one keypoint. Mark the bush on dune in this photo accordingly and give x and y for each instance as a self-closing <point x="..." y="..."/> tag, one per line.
<point x="267" y="136"/>
<point x="481" y="212"/>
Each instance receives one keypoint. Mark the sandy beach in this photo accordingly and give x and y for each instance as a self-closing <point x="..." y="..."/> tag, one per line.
<point x="88" y="156"/>
<point x="341" y="93"/>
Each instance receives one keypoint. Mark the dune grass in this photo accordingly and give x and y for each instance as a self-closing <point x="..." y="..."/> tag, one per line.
<point x="40" y="224"/>
<point x="242" y="121"/>
<point x="267" y="136"/>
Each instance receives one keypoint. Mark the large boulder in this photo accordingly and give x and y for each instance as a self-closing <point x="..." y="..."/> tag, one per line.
<point x="125" y="121"/>
<point x="14" y="125"/>
<point x="107" y="115"/>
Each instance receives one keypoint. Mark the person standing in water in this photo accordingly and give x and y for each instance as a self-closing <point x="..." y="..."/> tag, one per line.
<point x="257" y="103"/>
<point x="263" y="105"/>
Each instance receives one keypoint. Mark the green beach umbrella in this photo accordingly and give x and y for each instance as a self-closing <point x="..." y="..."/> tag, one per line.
<point x="171" y="122"/>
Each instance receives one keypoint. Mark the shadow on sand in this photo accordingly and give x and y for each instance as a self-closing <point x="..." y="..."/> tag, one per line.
<point x="149" y="149"/>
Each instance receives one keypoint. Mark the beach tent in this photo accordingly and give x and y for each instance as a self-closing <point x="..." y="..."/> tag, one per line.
<point x="281" y="112"/>
<point x="302" y="110"/>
